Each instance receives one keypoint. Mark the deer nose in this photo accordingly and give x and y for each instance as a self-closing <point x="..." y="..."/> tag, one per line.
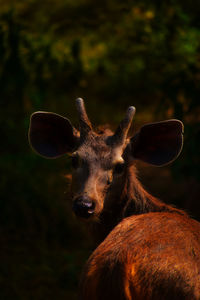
<point x="83" y="207"/>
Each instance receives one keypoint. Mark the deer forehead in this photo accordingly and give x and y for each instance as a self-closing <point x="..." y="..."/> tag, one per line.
<point x="95" y="150"/>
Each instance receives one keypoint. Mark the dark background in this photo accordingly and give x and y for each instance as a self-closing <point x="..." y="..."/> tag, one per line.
<point x="115" y="54"/>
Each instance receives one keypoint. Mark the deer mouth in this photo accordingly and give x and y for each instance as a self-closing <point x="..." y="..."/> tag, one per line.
<point x="83" y="207"/>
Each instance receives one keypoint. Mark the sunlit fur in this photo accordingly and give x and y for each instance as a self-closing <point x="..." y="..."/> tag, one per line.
<point x="148" y="256"/>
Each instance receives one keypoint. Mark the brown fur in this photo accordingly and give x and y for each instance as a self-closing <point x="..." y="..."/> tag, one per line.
<point x="148" y="256"/>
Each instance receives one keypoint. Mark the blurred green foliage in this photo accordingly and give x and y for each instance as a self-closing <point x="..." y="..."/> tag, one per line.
<point x="116" y="53"/>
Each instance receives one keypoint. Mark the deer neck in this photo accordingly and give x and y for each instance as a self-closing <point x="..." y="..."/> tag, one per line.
<point x="127" y="198"/>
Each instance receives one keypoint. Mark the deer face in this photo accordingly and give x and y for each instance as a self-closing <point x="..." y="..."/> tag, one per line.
<point x="99" y="161"/>
<point x="96" y="166"/>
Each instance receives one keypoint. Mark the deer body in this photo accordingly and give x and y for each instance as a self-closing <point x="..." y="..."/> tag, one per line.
<point x="147" y="249"/>
<point x="148" y="256"/>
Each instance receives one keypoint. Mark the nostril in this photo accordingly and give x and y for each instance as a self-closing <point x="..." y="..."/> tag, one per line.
<point x="83" y="207"/>
<point x="87" y="204"/>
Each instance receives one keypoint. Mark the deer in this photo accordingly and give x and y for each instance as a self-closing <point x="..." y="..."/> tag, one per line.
<point x="146" y="249"/>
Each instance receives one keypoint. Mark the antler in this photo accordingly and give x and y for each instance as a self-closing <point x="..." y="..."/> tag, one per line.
<point x="85" y="124"/>
<point x="123" y="128"/>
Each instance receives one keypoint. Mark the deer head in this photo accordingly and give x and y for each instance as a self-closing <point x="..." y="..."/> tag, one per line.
<point x="100" y="160"/>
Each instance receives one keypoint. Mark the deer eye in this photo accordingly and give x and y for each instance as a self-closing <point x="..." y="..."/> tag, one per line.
<point x="119" y="167"/>
<point x="75" y="161"/>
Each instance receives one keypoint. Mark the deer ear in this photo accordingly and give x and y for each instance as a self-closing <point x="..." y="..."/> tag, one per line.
<point x="51" y="135"/>
<point x="158" y="143"/>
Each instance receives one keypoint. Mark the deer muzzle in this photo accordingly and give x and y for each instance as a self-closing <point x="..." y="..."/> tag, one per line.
<point x="83" y="207"/>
